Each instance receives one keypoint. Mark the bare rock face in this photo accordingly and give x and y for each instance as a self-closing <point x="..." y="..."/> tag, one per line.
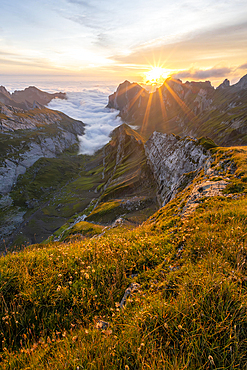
<point x="13" y="118"/>
<point x="17" y="162"/>
<point x="130" y="99"/>
<point x="170" y="157"/>
<point x="225" y="84"/>
<point x="27" y="136"/>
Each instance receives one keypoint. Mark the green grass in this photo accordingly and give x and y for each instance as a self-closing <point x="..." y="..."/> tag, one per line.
<point x="189" y="313"/>
<point x="82" y="229"/>
<point x="106" y="210"/>
<point x="192" y="303"/>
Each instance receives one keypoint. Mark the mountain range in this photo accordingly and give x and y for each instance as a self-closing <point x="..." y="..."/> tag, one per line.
<point x="188" y="109"/>
<point x="130" y="177"/>
<point x="134" y="257"/>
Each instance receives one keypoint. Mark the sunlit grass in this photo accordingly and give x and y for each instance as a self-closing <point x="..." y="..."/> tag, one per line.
<point x="189" y="313"/>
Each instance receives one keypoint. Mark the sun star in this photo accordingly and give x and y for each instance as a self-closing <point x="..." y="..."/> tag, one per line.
<point x="156" y="75"/>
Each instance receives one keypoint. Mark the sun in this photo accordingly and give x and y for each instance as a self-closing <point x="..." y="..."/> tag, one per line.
<point x="155" y="76"/>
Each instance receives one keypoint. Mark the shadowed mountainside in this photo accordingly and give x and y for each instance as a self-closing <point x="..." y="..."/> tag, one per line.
<point x="190" y="108"/>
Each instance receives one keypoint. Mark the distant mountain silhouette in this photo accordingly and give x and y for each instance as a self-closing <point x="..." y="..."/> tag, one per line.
<point x="26" y="98"/>
<point x="190" y="108"/>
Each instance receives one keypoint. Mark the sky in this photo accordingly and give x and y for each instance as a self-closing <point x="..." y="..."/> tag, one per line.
<point x="106" y="40"/>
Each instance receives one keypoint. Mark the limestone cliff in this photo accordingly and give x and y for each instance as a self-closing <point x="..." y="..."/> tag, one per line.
<point x="170" y="157"/>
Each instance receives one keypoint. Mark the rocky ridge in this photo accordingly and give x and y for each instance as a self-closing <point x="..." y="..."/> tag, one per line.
<point x="168" y="168"/>
<point x="27" y="97"/>
<point x="186" y="109"/>
<point x="31" y="132"/>
<point x="130" y="181"/>
<point x="13" y="118"/>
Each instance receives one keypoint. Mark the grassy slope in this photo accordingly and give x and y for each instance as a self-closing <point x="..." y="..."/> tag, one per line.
<point x="190" y="311"/>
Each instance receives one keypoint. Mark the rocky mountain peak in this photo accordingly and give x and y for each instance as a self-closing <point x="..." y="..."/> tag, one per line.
<point x="224" y="84"/>
<point x="191" y="108"/>
<point x="27" y="98"/>
<point x="242" y="83"/>
<point x="5" y="92"/>
<point x="124" y="129"/>
<point x="126" y="95"/>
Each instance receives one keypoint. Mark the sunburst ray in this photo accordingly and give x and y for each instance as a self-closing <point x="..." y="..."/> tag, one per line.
<point x="181" y="103"/>
<point x="162" y="105"/>
<point x="147" y="111"/>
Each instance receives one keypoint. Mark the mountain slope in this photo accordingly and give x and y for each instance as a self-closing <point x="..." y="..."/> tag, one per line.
<point x="55" y="192"/>
<point x="68" y="305"/>
<point x="128" y="179"/>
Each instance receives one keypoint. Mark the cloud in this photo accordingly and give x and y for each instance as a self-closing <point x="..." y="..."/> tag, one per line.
<point x="89" y="107"/>
<point x="203" y="74"/>
<point x="222" y="43"/>
<point x="81" y="3"/>
<point x="243" y="66"/>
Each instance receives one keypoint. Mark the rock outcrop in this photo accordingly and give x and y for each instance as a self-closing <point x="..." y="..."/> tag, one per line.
<point x="21" y="157"/>
<point x="29" y="98"/>
<point x="13" y="118"/>
<point x="5" y="92"/>
<point x="170" y="157"/>
<point x="125" y="95"/>
<point x="225" y="84"/>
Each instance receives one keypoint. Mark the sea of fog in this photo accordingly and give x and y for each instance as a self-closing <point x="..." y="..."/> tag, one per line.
<point x="86" y="101"/>
<point x="89" y="106"/>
